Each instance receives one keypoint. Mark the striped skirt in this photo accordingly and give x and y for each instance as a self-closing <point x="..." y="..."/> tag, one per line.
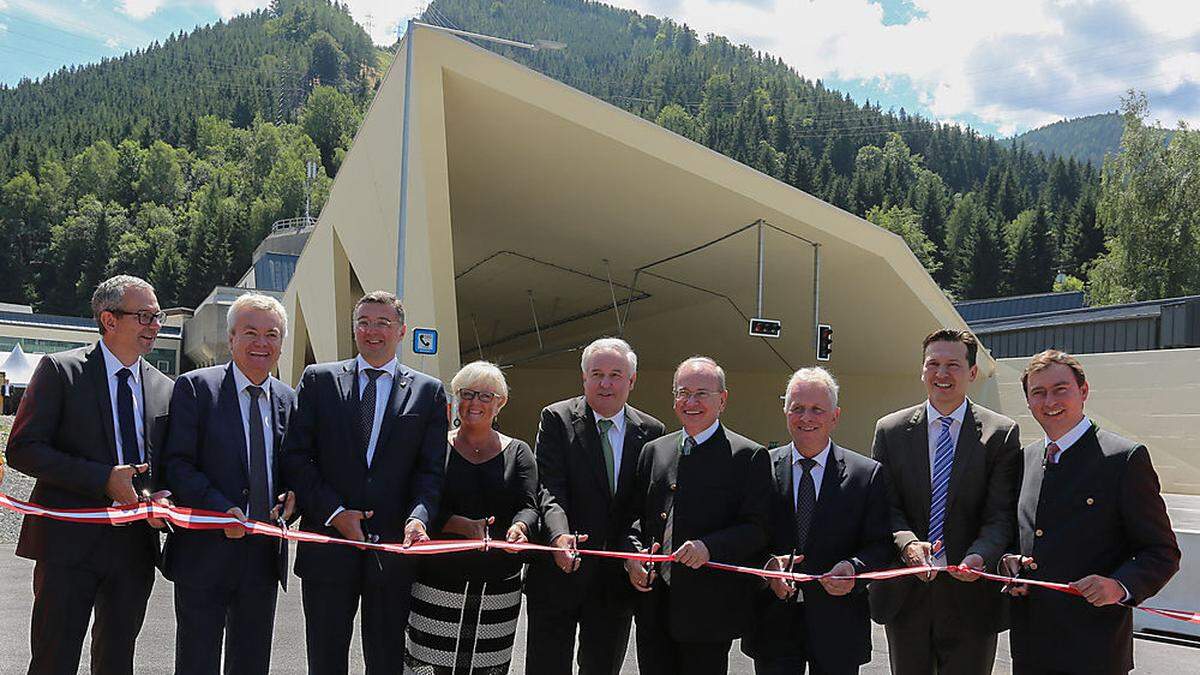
<point x="462" y="629"/>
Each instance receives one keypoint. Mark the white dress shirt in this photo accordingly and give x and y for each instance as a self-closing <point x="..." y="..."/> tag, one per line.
<point x="383" y="391"/>
<point x="1068" y="439"/>
<point x="933" y="419"/>
<point x="703" y="436"/>
<point x="616" y="439"/>
<point x="264" y="413"/>
<point x="817" y="472"/>
<point x="111" y="365"/>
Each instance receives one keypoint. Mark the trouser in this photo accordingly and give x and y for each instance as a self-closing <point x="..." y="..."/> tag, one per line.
<point x="242" y="616"/>
<point x="796" y="665"/>
<point x="603" y="621"/>
<point x="115" y="583"/>
<point x="330" y="607"/>
<point x="659" y="653"/>
<point x="922" y="641"/>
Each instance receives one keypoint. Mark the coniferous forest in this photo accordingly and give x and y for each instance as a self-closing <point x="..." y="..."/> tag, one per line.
<point x="172" y="161"/>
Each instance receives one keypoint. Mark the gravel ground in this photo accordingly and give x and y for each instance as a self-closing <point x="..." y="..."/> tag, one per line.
<point x="15" y="484"/>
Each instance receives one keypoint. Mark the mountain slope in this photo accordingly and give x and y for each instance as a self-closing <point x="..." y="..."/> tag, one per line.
<point x="1087" y="139"/>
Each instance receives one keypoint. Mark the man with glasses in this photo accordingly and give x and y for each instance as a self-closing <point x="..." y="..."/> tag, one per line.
<point x="365" y="453"/>
<point x="587" y="449"/>
<point x="89" y="430"/>
<point x="701" y="494"/>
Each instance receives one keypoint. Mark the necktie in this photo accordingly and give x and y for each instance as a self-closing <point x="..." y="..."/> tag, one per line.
<point x="806" y="501"/>
<point x="943" y="458"/>
<point x="1052" y="451"/>
<point x="130" y="453"/>
<point x="689" y="444"/>
<point x="366" y="410"/>
<point x="609" y="458"/>
<point x="260" y="490"/>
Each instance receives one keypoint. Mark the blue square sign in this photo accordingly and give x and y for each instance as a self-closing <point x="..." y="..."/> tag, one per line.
<point x="424" y="341"/>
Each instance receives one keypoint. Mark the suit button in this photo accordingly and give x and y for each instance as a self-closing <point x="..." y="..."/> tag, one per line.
<point x="245" y="492"/>
<point x="1090" y="501"/>
<point x="1033" y="566"/>
<point x="1037" y="533"/>
<point x="369" y="479"/>
<point x="663" y="515"/>
<point x="674" y="487"/>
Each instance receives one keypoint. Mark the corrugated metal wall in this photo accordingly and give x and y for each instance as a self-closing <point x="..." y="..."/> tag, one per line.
<point x="1082" y="338"/>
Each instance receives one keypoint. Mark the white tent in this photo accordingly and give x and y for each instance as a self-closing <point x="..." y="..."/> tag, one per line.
<point x="18" y="366"/>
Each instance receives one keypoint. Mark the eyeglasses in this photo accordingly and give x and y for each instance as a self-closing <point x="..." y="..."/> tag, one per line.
<point x="700" y="395"/>
<point x="381" y="324"/>
<point x="144" y="316"/>
<point x="471" y="395"/>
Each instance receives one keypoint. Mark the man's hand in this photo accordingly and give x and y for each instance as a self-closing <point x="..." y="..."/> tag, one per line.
<point x="918" y="554"/>
<point x="1100" y="591"/>
<point x="348" y="523"/>
<point x="973" y="561"/>
<point x="414" y="532"/>
<point x="693" y="554"/>
<point x="641" y="577"/>
<point x="119" y="486"/>
<point x="236" y="531"/>
<point x="285" y="506"/>
<point x="839" y="586"/>
<point x="517" y="534"/>
<point x="782" y="588"/>
<point x="1013" y="564"/>
<point x="565" y="557"/>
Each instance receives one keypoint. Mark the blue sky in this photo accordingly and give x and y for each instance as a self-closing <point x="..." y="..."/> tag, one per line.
<point x="1001" y="67"/>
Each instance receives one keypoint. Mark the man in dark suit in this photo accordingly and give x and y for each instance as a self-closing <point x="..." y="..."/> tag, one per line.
<point x="587" y="477"/>
<point x="221" y="455"/>
<point x="953" y="472"/>
<point x="1090" y="513"/>
<point x="365" y="453"/>
<point x="701" y="493"/>
<point x="88" y="429"/>
<point x="829" y="513"/>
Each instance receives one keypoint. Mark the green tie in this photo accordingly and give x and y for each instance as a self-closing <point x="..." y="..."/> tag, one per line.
<point x="609" y="462"/>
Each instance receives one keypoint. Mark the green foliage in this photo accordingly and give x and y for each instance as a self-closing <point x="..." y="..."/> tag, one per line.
<point x="1068" y="284"/>
<point x="1085" y="139"/>
<point x="1150" y="206"/>
<point x="906" y="222"/>
<point x="330" y="119"/>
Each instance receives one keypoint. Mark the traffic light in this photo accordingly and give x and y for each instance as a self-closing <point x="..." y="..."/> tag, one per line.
<point x="767" y="328"/>
<point x="824" y="341"/>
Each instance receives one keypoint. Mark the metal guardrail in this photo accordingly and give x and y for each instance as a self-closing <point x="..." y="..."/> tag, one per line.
<point x="300" y="223"/>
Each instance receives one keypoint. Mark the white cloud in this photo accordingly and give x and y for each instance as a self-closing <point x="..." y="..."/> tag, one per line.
<point x="1020" y="65"/>
<point x="140" y="9"/>
<point x="112" y="43"/>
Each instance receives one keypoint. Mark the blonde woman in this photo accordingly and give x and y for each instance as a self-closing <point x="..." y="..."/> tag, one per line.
<point x="465" y="606"/>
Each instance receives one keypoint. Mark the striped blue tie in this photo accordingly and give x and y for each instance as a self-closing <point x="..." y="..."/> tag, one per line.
<point x="943" y="458"/>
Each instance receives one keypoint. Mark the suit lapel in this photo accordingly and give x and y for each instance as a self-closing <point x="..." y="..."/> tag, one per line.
<point x="969" y="445"/>
<point x="279" y="414"/>
<point x="99" y="379"/>
<point x="783" y="492"/>
<point x="229" y="408"/>
<point x="396" y="400"/>
<point x="918" y="434"/>
<point x="347" y="383"/>
<point x="584" y="423"/>
<point x="635" y="438"/>
<point x="156" y="397"/>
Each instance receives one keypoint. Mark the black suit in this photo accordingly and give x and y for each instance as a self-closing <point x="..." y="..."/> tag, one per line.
<point x="64" y="437"/>
<point x="596" y="597"/>
<point x="832" y="634"/>
<point x="720" y="493"/>
<point x="222" y="586"/>
<point x="325" y="463"/>
<point x="947" y="624"/>
<point x="1097" y="511"/>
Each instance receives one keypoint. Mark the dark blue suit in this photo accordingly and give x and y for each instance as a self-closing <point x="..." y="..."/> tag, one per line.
<point x="222" y="586"/>
<point x="831" y="634"/>
<point x="324" y="461"/>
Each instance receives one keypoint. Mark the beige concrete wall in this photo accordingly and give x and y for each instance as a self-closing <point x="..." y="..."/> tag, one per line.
<point x="1150" y="396"/>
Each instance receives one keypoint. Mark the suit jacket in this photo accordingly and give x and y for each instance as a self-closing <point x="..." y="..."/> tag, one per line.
<point x="63" y="436"/>
<point x="575" y="498"/>
<point x="850" y="523"/>
<point x="720" y="494"/>
<point x="1098" y="511"/>
<point x="206" y="467"/>
<point x="980" y="504"/>
<point x="325" y="462"/>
